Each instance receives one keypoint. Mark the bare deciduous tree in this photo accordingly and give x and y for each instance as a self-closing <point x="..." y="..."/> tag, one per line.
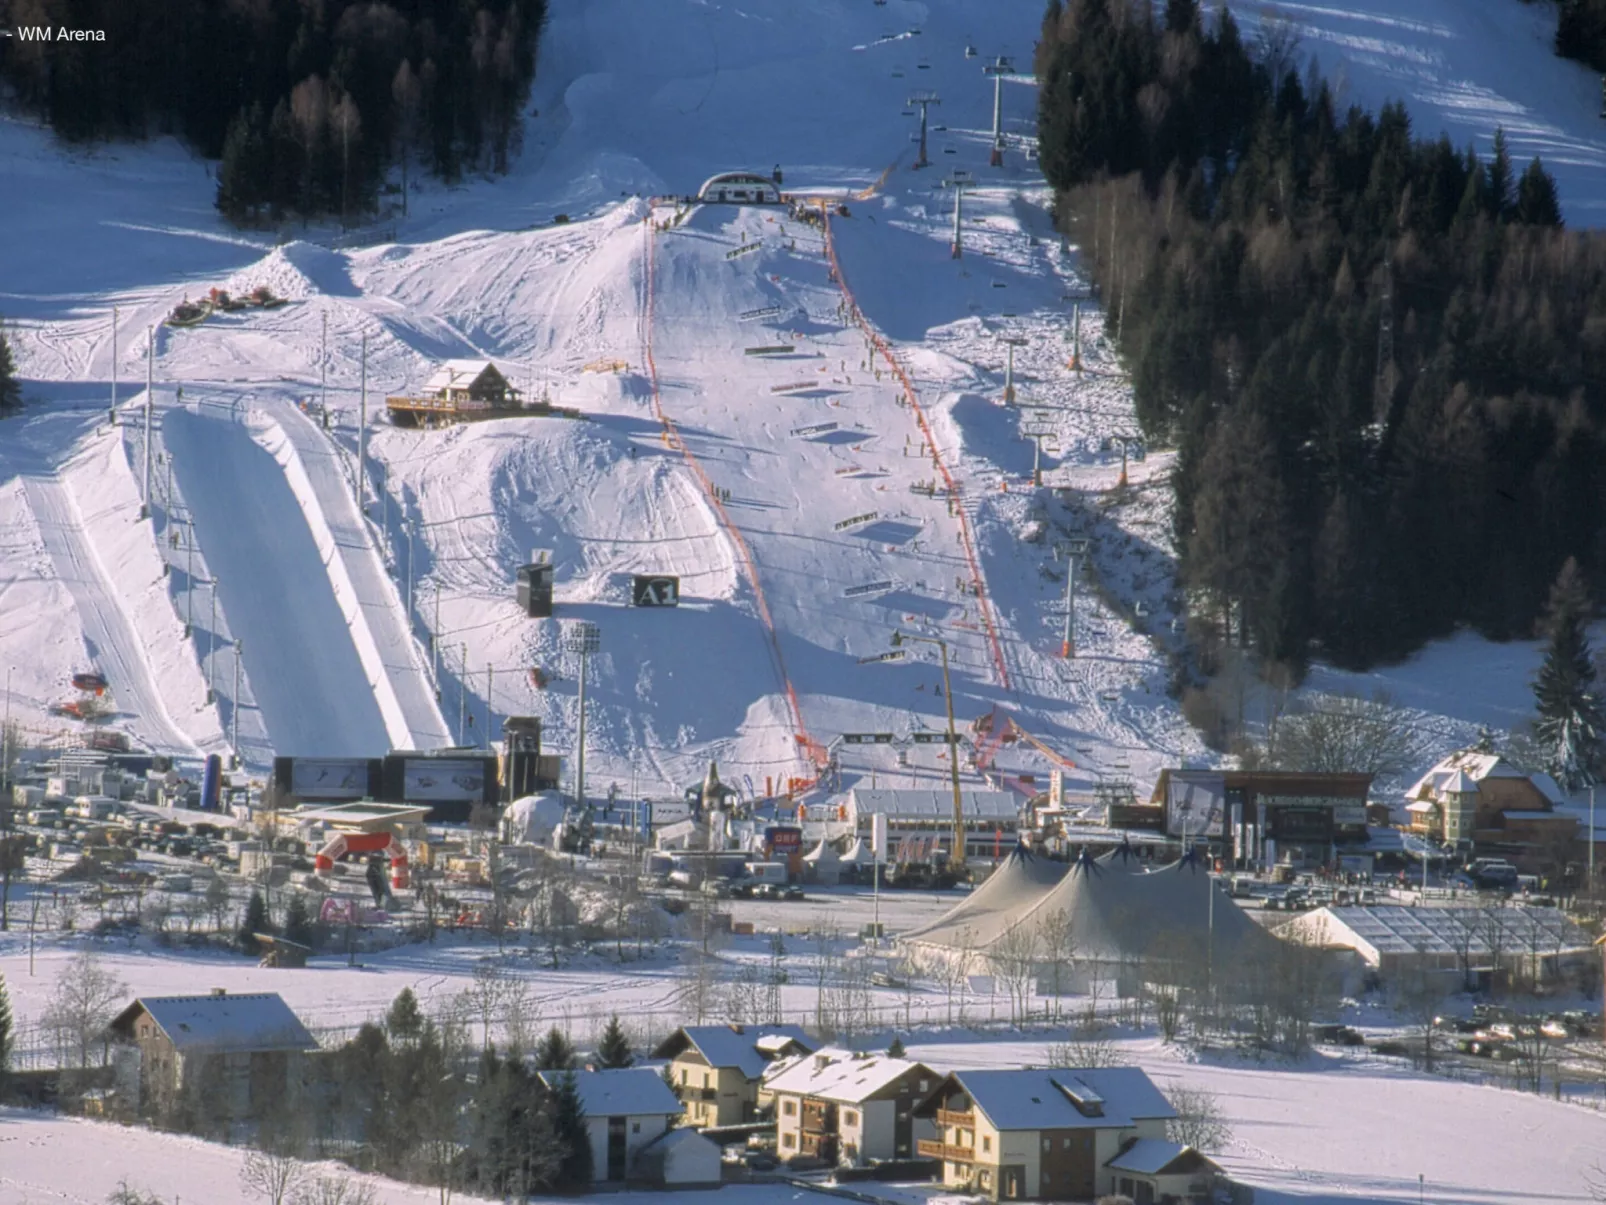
<point x="1347" y="734"/>
<point x="1200" y="1121"/>
<point x="274" y="1175"/>
<point x="83" y="1002"/>
<point x="334" y="1190"/>
<point x="1014" y="962"/>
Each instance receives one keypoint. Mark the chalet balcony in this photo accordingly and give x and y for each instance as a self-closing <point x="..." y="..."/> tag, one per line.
<point x="954" y="1117"/>
<point x="935" y="1148"/>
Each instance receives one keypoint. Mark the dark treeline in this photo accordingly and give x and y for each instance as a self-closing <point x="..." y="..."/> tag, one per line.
<point x="1379" y="357"/>
<point x="306" y="102"/>
<point x="1581" y="31"/>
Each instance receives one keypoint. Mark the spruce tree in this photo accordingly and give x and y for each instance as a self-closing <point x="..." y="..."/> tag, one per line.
<point x="1569" y="724"/>
<point x="569" y="1134"/>
<point x="10" y="390"/>
<point x="1499" y="199"/>
<point x="256" y="921"/>
<point x="405" y="1021"/>
<point x="895" y="1051"/>
<point x="614" y="1048"/>
<point x="297" y="921"/>
<point x="554" y="1052"/>
<point x="1537" y="204"/>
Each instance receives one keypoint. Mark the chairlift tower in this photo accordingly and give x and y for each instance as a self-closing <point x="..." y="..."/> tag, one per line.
<point x="1012" y="341"/>
<point x="584" y="638"/>
<point x="925" y="100"/>
<point x="1037" y="435"/>
<point x="959" y="180"/>
<point x="1072" y="549"/>
<point x="998" y="69"/>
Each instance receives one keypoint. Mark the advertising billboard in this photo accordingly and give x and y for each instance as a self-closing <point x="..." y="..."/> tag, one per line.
<point x="1347" y="811"/>
<point x="1195" y="804"/>
<point x="443" y="779"/>
<point x="325" y="779"/>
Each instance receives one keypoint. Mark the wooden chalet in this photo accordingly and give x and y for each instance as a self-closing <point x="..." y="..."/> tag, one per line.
<point x="457" y="391"/>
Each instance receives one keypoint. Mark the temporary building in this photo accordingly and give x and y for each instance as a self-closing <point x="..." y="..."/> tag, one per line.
<point x="1110" y="915"/>
<point x="823" y="864"/>
<point x="1019" y="884"/>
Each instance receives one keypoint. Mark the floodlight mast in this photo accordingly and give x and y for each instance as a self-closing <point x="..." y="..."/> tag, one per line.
<point x="957" y="858"/>
<point x="924" y="100"/>
<point x="584" y="638"/>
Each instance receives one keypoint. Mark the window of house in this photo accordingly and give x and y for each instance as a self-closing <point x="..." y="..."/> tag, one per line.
<point x="925" y="1085"/>
<point x="1065" y="1144"/>
<point x="849" y="1117"/>
<point x="1048" y="1144"/>
<point x="789" y="1140"/>
<point x="635" y="1127"/>
<point x="984" y="1179"/>
<point x="705" y="1079"/>
<point x="685" y="1076"/>
<point x="986" y="1143"/>
<point x="789" y="1108"/>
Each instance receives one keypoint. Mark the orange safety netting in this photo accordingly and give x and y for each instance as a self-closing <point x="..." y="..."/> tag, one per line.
<point x="671" y="436"/>
<point x="965" y="540"/>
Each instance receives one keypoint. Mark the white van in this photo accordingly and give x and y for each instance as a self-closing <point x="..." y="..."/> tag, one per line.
<point x="95" y="807"/>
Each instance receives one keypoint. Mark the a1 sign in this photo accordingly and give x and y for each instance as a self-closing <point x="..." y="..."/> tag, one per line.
<point x="659" y="590"/>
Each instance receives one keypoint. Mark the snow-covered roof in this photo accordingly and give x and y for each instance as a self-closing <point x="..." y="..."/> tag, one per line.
<point x="843" y="1076"/>
<point x="1033" y="1099"/>
<point x="1421" y="805"/>
<point x="1458" y="783"/>
<point x="1475" y="765"/>
<point x="1549" y="788"/>
<point x="620" y="1092"/>
<point x="456" y="374"/>
<point x="1397" y="929"/>
<point x="900" y="803"/>
<point x="748" y="1048"/>
<point x="221" y="1023"/>
<point x="1157" y="1157"/>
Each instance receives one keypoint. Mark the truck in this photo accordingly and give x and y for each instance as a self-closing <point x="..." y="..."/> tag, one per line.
<point x="95" y="807"/>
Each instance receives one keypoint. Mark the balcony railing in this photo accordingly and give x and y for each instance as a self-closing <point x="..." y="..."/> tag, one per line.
<point x="956" y="1117"/>
<point x="931" y="1148"/>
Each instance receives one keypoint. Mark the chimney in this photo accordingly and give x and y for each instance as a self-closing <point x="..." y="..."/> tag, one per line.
<point x="220" y="991"/>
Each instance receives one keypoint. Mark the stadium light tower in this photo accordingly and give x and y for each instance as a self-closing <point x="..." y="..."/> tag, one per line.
<point x="959" y="181"/>
<point x="925" y="100"/>
<point x="998" y="69"/>
<point x="584" y="638"/>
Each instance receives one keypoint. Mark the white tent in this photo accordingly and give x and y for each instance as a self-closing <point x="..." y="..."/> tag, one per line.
<point x="1019" y="884"/>
<point x="1110" y="914"/>
<point x="533" y="819"/>
<point x="823" y="864"/>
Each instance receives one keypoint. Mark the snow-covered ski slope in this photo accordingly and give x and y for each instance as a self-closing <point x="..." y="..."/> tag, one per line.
<point x="780" y="603"/>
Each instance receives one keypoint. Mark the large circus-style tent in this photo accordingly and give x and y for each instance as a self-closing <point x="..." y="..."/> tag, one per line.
<point x="1107" y="912"/>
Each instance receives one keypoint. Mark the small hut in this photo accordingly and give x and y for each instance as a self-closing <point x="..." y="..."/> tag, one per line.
<point x="457" y="391"/>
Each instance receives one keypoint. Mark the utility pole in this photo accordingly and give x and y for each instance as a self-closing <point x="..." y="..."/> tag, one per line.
<point x="998" y="69"/>
<point x="211" y="648"/>
<point x="462" y="697"/>
<point x="189" y="574"/>
<point x="362" y="435"/>
<point x="409" y="576"/>
<point x="959" y="181"/>
<point x="489" y="710"/>
<point x="1073" y="549"/>
<point x="239" y="654"/>
<point x="150" y="411"/>
<point x="1076" y="337"/>
<point x="584" y="638"/>
<point x="323" y="372"/>
<point x="113" y="417"/>
<point x="10" y="669"/>
<point x="435" y="639"/>
<point x="925" y="100"/>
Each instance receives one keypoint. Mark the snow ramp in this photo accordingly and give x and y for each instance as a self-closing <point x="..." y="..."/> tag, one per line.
<point x="319" y="676"/>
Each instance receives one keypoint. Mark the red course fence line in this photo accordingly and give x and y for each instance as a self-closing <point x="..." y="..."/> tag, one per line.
<point x="671" y="436"/>
<point x="965" y="539"/>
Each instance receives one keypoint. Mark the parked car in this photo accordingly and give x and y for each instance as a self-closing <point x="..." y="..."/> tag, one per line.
<point x="792" y="893"/>
<point x="1456" y="1025"/>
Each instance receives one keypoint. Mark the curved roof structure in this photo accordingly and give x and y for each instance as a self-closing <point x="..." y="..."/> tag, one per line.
<point x="739" y="179"/>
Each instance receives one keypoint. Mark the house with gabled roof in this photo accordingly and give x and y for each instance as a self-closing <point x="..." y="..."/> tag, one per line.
<point x="718" y="1069"/>
<point x="1045" y="1134"/>
<point x="626" y="1110"/>
<point x="1479" y="800"/>
<point x="234" y="1057"/>
<point x="848" y="1107"/>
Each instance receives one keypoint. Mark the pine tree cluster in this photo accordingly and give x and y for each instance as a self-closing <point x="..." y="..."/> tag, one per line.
<point x="306" y="104"/>
<point x="1581" y="32"/>
<point x="1377" y="356"/>
<point x="10" y="388"/>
